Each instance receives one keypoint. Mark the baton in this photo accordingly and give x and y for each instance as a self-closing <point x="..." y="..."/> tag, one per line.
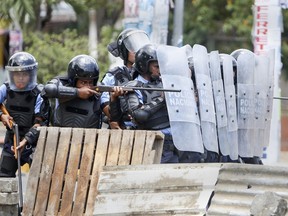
<point x="14" y="126"/>
<point x="16" y="142"/>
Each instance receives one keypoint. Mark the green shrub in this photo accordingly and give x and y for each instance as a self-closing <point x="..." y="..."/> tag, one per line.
<point x="54" y="51"/>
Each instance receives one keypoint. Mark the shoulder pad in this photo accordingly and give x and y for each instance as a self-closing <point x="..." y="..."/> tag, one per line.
<point x="64" y="81"/>
<point x="134" y="83"/>
<point x="117" y="69"/>
<point x="40" y="87"/>
<point x="7" y="84"/>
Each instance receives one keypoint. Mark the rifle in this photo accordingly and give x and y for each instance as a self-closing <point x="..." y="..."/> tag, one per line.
<point x="281" y="98"/>
<point x="103" y="88"/>
<point x="17" y="154"/>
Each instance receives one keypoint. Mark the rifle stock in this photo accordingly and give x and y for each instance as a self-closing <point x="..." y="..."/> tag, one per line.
<point x="4" y="111"/>
<point x="103" y="88"/>
<point x="12" y="123"/>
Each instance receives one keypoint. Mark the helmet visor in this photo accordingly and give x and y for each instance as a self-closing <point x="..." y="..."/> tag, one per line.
<point x="22" y="80"/>
<point x="134" y="41"/>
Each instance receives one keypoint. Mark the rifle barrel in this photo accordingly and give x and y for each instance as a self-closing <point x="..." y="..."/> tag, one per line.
<point x="150" y="89"/>
<point x="103" y="88"/>
<point x="281" y="98"/>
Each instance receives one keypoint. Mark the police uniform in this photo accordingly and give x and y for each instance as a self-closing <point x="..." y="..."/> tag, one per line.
<point x="21" y="96"/>
<point x="70" y="110"/>
<point x="73" y="112"/>
<point x="24" y="107"/>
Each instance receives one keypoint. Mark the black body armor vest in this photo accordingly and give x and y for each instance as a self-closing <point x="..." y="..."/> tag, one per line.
<point x="79" y="113"/>
<point x="160" y="119"/>
<point x="20" y="106"/>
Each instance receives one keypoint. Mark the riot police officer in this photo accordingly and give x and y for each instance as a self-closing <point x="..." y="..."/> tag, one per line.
<point x="148" y="108"/>
<point x="77" y="104"/>
<point x="26" y="108"/>
<point x="128" y="42"/>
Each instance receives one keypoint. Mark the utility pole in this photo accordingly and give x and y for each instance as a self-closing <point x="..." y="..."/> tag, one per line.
<point x="177" y="38"/>
<point x="93" y="34"/>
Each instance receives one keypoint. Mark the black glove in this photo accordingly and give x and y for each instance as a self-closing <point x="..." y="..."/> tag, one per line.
<point x="115" y="111"/>
<point x="32" y="136"/>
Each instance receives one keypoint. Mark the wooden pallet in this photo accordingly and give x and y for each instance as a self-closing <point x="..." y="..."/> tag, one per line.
<point x="64" y="174"/>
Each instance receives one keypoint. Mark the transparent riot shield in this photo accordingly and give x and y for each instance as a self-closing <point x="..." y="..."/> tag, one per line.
<point x="261" y="101"/>
<point x="270" y="93"/>
<point x="182" y="109"/>
<point x="219" y="102"/>
<point x="205" y="97"/>
<point x="230" y="98"/>
<point x="245" y="101"/>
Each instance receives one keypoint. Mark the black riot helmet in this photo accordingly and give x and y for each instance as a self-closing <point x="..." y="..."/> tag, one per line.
<point x="234" y="64"/>
<point x="143" y="57"/>
<point x="238" y="52"/>
<point x="83" y="67"/>
<point x="21" y="65"/>
<point x="129" y="40"/>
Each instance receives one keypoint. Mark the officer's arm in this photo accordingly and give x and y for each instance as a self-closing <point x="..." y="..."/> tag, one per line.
<point x="55" y="89"/>
<point x="142" y="112"/>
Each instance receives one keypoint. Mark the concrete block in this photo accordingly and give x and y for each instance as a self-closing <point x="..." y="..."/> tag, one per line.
<point x="8" y="185"/>
<point x="9" y="198"/>
<point x="267" y="204"/>
<point x="9" y="210"/>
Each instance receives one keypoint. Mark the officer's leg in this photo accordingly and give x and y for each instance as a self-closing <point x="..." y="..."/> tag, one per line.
<point x="227" y="159"/>
<point x="247" y="160"/>
<point x="257" y="160"/>
<point x="250" y="160"/>
<point x="191" y="157"/>
<point x="8" y="164"/>
<point x="212" y="157"/>
<point x="169" y="155"/>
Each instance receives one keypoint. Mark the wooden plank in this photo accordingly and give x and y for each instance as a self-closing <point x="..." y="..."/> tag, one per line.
<point x="149" y="203"/>
<point x="99" y="162"/>
<point x="138" y="148"/>
<point x="72" y="170"/>
<point x="157" y="176"/>
<point x="149" y="154"/>
<point x="158" y="147"/>
<point x="46" y="170"/>
<point x="59" y="171"/>
<point x="126" y="147"/>
<point x="84" y="172"/>
<point x="114" y="147"/>
<point x="33" y="177"/>
<point x="159" y="188"/>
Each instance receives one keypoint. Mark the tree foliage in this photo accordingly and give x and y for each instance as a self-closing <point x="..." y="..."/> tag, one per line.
<point x="54" y="51"/>
<point x="223" y="25"/>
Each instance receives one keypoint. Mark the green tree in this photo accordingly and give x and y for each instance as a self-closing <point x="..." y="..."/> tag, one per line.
<point x="54" y="51"/>
<point x="223" y="25"/>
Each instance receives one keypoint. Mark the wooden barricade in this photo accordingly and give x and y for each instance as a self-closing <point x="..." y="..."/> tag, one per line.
<point x="64" y="174"/>
<point x="163" y="189"/>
